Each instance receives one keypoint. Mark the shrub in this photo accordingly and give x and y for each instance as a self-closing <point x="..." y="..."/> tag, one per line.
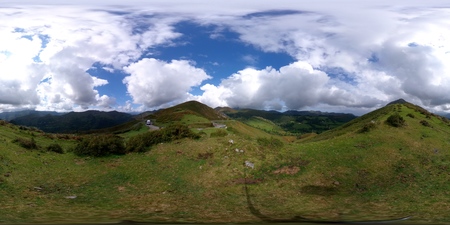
<point x="410" y="115"/>
<point x="202" y="133"/>
<point x="270" y="142"/>
<point x="100" y="145"/>
<point x="55" y="148"/>
<point x="26" y="143"/>
<point x="425" y="123"/>
<point x="219" y="133"/>
<point x="368" y="127"/>
<point x="395" y="120"/>
<point x="141" y="142"/>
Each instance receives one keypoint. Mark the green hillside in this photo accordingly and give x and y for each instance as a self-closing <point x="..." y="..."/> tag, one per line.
<point x="294" y="122"/>
<point x="265" y="124"/>
<point x="177" y="112"/>
<point x="367" y="169"/>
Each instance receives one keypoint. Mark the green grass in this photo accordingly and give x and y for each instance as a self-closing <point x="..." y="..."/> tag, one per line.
<point x="344" y="174"/>
<point x="265" y="125"/>
<point x="138" y="129"/>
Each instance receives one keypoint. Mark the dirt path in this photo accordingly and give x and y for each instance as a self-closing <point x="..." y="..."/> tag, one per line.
<point x="152" y="127"/>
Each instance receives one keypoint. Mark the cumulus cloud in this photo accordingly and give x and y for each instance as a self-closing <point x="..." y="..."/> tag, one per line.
<point x="295" y="86"/>
<point x="154" y="82"/>
<point x="359" y="56"/>
<point x="402" y="55"/>
<point x="45" y="54"/>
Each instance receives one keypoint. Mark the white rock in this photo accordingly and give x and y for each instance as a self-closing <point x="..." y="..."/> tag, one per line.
<point x="249" y="164"/>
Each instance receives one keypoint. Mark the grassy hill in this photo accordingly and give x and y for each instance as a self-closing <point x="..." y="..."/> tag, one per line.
<point x="401" y="169"/>
<point x="367" y="169"/>
<point x="294" y="122"/>
<point x="192" y="113"/>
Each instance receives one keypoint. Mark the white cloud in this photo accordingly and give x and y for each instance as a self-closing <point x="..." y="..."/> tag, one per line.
<point x="155" y="83"/>
<point x="295" y="86"/>
<point x="411" y="47"/>
<point x="45" y="53"/>
<point x="386" y="51"/>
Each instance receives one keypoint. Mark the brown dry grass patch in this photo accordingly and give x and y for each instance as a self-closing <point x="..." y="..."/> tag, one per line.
<point x="289" y="170"/>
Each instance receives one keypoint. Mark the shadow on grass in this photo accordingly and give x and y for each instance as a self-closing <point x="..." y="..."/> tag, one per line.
<point x="317" y="190"/>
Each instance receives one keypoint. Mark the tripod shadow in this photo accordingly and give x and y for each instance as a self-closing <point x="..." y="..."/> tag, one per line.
<point x="299" y="219"/>
<point x="265" y="218"/>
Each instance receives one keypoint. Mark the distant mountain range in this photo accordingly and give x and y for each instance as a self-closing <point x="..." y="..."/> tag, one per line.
<point x="293" y="122"/>
<point x="72" y="122"/>
<point x="289" y="121"/>
<point x="270" y="121"/>
<point x="8" y="116"/>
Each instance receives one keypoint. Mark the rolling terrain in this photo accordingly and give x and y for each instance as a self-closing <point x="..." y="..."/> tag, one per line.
<point x="391" y="163"/>
<point x="289" y="122"/>
<point x="12" y="115"/>
<point x="73" y="122"/>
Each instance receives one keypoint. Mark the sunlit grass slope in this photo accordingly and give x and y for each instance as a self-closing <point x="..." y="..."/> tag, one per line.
<point x="393" y="170"/>
<point x="198" y="112"/>
<point x="366" y="169"/>
<point x="265" y="125"/>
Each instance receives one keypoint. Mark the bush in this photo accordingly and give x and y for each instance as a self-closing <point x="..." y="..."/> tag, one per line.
<point x="26" y="143"/>
<point x="395" y="120"/>
<point x="55" y="148"/>
<point x="270" y="142"/>
<point x="410" y="115"/>
<point x="425" y="123"/>
<point x="202" y="134"/>
<point x="219" y="133"/>
<point x="100" y="145"/>
<point x="368" y="127"/>
<point x="141" y="142"/>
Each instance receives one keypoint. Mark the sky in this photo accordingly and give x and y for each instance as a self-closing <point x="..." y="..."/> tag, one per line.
<point x="136" y="55"/>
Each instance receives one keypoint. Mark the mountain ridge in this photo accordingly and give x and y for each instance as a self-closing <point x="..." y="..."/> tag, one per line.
<point x="290" y="121"/>
<point x="73" y="122"/>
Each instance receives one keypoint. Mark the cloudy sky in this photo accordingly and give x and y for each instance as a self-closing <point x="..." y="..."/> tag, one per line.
<point x="329" y="55"/>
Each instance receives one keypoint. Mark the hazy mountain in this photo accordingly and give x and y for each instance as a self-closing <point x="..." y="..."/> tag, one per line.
<point x="291" y="121"/>
<point x="73" y="122"/>
<point x="12" y="115"/>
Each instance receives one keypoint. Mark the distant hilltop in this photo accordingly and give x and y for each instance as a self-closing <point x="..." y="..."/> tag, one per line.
<point x="398" y="101"/>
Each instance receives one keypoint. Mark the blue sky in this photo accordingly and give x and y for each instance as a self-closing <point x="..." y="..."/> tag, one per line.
<point x="219" y="57"/>
<point x="324" y="55"/>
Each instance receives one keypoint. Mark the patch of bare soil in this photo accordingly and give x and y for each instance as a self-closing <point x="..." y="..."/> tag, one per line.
<point x="79" y="161"/>
<point x="290" y="170"/>
<point x="205" y="155"/>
